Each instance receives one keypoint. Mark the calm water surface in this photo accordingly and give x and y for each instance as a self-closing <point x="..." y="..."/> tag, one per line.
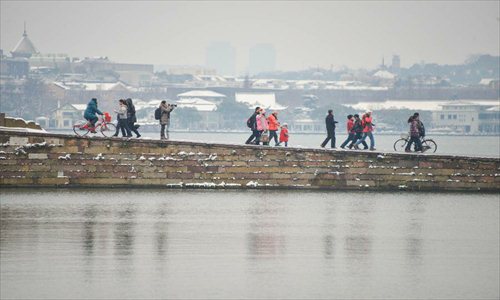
<point x="248" y="244"/>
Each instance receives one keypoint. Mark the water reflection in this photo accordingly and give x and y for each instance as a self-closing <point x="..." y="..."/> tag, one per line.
<point x="358" y="240"/>
<point x="124" y="232"/>
<point x="264" y="238"/>
<point x="161" y="230"/>
<point x="88" y="235"/>
<point x="414" y="240"/>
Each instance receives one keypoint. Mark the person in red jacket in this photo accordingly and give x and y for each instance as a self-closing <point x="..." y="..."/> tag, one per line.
<point x="368" y="125"/>
<point x="273" y="127"/>
<point x="350" y="131"/>
<point x="284" y="134"/>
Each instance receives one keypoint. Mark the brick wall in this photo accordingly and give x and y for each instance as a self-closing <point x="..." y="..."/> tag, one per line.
<point x="38" y="159"/>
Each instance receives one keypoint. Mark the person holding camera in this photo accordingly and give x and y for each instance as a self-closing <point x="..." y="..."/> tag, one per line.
<point x="165" y="110"/>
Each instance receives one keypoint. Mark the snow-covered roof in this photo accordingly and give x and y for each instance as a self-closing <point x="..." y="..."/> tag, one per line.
<point x="486" y="81"/>
<point x="384" y="74"/>
<point x="24" y="46"/>
<point x="79" y="106"/>
<point x="201" y="94"/>
<point x="93" y="86"/>
<point x="264" y="100"/>
<point x="198" y="104"/>
<point x="418" y="105"/>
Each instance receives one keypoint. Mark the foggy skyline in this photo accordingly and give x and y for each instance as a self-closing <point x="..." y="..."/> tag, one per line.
<point x="304" y="34"/>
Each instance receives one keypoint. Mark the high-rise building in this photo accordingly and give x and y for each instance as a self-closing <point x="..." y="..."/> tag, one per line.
<point x="221" y="56"/>
<point x="262" y="58"/>
<point x="396" y="64"/>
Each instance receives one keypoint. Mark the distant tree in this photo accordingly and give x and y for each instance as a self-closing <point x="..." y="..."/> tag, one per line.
<point x="186" y="117"/>
<point x="234" y="114"/>
<point x="28" y="99"/>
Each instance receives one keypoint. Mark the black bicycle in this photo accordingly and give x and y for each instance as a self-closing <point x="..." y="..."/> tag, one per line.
<point x="428" y="145"/>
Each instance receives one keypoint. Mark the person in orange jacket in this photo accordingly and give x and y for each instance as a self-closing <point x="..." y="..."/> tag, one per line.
<point x="284" y="134"/>
<point x="273" y="127"/>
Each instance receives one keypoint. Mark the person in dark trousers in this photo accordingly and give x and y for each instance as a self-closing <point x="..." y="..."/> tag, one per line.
<point x="274" y="125"/>
<point x="330" y="129"/>
<point x="414" y="135"/>
<point x="122" y="119"/>
<point x="252" y="124"/>
<point x="166" y="109"/>
<point x="358" y="132"/>
<point x="90" y="112"/>
<point x="131" y="118"/>
<point x="350" y="133"/>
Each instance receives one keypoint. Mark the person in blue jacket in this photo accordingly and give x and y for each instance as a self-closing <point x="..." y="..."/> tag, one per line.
<point x="90" y="112"/>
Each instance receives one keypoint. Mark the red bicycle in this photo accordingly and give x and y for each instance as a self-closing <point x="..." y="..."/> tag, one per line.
<point x="103" y="125"/>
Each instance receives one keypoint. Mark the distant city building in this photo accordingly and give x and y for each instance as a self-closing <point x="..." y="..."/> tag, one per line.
<point x="190" y="70"/>
<point x="25" y="47"/>
<point x="221" y="56"/>
<point x="204" y="95"/>
<point x="262" y="58"/>
<point x="65" y="116"/>
<point x="396" y="64"/>
<point x="14" y="67"/>
<point x="467" y="117"/>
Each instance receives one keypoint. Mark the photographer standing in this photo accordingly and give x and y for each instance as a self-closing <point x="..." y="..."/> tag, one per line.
<point x="165" y="110"/>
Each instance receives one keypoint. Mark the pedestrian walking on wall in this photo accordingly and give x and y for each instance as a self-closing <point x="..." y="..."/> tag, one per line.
<point x="350" y="132"/>
<point x="330" y="129"/>
<point x="273" y="127"/>
<point x="414" y="135"/>
<point x="131" y="118"/>
<point x="252" y="124"/>
<point x="358" y="132"/>
<point x="284" y="134"/>
<point x="367" y="122"/>
<point x="263" y="127"/>
<point x="165" y="110"/>
<point x="122" y="119"/>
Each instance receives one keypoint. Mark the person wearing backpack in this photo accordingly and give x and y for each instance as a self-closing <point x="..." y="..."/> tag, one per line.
<point x="357" y="128"/>
<point x="367" y="122"/>
<point x="162" y="113"/>
<point x="252" y="124"/>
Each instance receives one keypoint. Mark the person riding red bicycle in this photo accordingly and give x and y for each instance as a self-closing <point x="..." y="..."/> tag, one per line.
<point x="90" y="114"/>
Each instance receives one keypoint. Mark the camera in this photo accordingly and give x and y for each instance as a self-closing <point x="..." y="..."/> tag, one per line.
<point x="173" y="105"/>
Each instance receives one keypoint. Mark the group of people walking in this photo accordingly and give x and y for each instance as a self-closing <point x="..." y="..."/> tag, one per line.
<point x="126" y="119"/>
<point x="265" y="129"/>
<point x="358" y="129"/>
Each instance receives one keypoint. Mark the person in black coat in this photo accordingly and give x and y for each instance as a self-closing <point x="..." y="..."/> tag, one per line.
<point x="330" y="129"/>
<point x="252" y="124"/>
<point x="131" y="118"/>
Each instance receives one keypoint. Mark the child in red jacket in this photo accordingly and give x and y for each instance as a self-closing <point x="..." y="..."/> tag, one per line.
<point x="284" y="134"/>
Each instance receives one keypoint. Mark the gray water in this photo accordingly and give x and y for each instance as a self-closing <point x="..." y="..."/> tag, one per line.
<point x="248" y="244"/>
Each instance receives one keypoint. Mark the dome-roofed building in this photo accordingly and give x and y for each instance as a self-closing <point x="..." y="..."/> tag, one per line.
<point x="24" y="47"/>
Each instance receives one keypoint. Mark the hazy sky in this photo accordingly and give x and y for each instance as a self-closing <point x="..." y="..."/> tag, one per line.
<point x="304" y="33"/>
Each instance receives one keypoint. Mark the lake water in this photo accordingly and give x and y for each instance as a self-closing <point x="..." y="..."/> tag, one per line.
<point x="248" y="244"/>
<point x="456" y="145"/>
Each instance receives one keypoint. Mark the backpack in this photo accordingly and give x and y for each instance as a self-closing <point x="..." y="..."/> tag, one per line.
<point x="158" y="113"/>
<point x="250" y="122"/>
